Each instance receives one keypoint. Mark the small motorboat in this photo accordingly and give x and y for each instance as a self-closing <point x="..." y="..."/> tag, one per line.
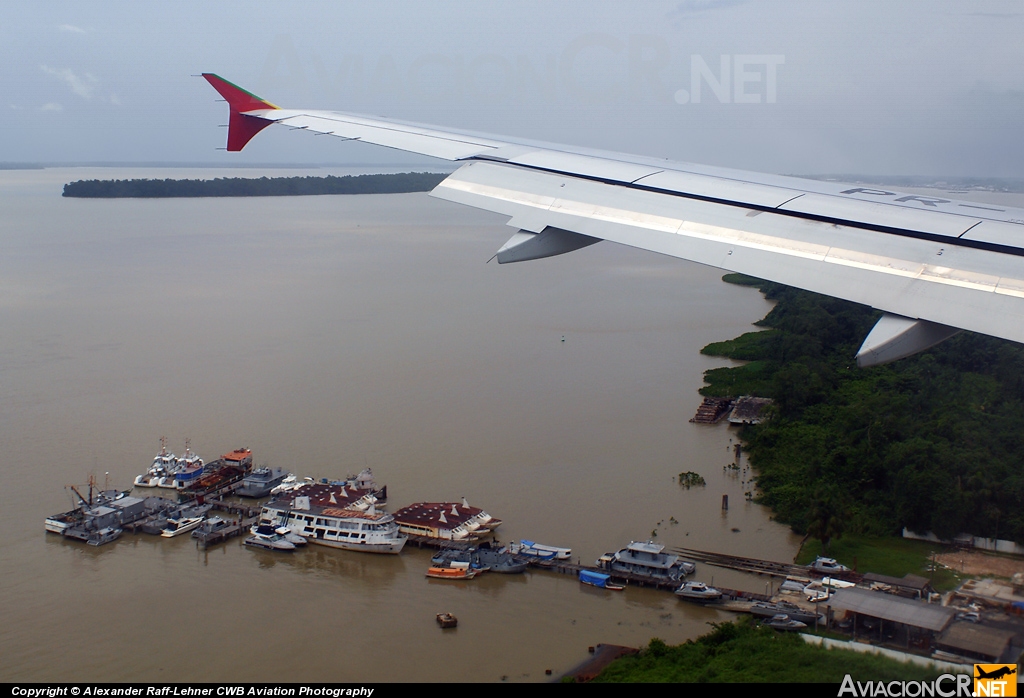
<point x="175" y="527"/>
<point x="283" y="531"/>
<point x="538" y="550"/>
<point x="451" y="573"/>
<point x="447" y="620"/>
<point x="699" y="592"/>
<point x="267" y="538"/>
<point x="782" y="621"/>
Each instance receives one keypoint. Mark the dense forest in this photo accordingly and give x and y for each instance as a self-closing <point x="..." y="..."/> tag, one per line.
<point x="931" y="442"/>
<point x="264" y="186"/>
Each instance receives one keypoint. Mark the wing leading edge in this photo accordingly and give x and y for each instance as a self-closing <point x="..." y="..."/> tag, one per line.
<point x="932" y="265"/>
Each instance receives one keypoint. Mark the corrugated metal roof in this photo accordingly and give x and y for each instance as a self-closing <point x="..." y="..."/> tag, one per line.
<point x="990" y="642"/>
<point x="893" y="608"/>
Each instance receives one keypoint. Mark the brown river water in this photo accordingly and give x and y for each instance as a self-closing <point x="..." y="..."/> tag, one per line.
<point x="329" y="334"/>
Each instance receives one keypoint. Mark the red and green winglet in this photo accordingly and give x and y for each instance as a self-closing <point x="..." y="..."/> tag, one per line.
<point x="241" y="128"/>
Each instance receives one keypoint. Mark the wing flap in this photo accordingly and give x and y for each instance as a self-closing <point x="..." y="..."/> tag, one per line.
<point x="881" y="215"/>
<point x="972" y="289"/>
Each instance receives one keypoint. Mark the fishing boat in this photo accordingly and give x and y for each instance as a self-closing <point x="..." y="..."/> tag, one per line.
<point x="163" y="467"/>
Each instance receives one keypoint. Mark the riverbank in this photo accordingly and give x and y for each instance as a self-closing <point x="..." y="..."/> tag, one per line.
<point x="744" y="652"/>
<point x="929" y="442"/>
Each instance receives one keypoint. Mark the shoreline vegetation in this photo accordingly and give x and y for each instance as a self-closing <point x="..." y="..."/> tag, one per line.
<point x="849" y="457"/>
<point x="930" y="442"/>
<point x="744" y="652"/>
<point x="402" y="183"/>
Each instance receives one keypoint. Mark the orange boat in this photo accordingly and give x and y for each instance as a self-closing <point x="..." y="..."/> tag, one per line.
<point x="451" y="573"/>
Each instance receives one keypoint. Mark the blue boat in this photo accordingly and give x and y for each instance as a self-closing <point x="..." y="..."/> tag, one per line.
<point x="596" y="579"/>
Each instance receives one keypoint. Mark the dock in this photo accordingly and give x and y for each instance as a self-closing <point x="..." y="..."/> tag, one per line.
<point x="762" y="567"/>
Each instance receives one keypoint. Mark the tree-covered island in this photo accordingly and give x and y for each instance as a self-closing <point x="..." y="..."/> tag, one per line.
<point x="401" y="183"/>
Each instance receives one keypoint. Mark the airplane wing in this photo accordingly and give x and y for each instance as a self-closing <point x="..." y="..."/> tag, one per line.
<point x="933" y="265"/>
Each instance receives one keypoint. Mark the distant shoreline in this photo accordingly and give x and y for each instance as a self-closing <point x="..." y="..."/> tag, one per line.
<point x="401" y="183"/>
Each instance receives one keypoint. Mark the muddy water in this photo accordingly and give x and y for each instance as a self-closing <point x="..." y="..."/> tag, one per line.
<point x="329" y="334"/>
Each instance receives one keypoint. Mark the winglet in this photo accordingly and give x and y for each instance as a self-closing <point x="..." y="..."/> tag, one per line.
<point x="241" y="127"/>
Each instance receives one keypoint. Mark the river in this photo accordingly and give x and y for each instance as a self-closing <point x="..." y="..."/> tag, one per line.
<point x="329" y="334"/>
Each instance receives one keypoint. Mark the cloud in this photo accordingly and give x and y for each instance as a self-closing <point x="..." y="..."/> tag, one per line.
<point x="71" y="28"/>
<point x="51" y="106"/>
<point x="82" y="86"/>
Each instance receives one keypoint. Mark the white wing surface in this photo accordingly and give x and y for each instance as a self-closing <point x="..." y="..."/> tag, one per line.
<point x="933" y="265"/>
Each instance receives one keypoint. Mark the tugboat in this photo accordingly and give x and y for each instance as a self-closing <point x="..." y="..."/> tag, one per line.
<point x="189" y="469"/>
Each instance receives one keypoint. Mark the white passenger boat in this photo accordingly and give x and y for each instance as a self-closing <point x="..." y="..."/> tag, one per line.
<point x="175" y="527"/>
<point x="335" y="526"/>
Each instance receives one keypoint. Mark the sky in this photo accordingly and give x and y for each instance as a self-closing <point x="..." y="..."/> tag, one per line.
<point x="932" y="88"/>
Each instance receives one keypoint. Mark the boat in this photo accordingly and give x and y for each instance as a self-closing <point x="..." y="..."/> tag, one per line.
<point x="501" y="561"/>
<point x="289" y="483"/>
<point x="699" y="592"/>
<point x="819" y="591"/>
<point x="782" y="621"/>
<point x="453" y="557"/>
<point x="335" y="525"/>
<point x="544" y="552"/>
<point x="260" y="482"/>
<point x="184" y="524"/>
<point x="828" y="565"/>
<point x="104" y="536"/>
<point x="212" y="525"/>
<point x="163" y="467"/>
<point x="599" y="580"/>
<point x="447" y="620"/>
<point x="765" y="609"/>
<point x="267" y="538"/>
<point x="451" y="573"/>
<point x="646" y="560"/>
<point x="188" y="469"/>
<point x="283" y="531"/>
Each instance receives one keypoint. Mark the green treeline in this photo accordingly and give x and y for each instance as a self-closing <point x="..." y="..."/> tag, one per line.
<point x="264" y="186"/>
<point x="742" y="652"/>
<point x="931" y="442"/>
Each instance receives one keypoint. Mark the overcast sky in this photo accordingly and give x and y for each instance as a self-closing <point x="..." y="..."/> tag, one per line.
<point x="865" y="86"/>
